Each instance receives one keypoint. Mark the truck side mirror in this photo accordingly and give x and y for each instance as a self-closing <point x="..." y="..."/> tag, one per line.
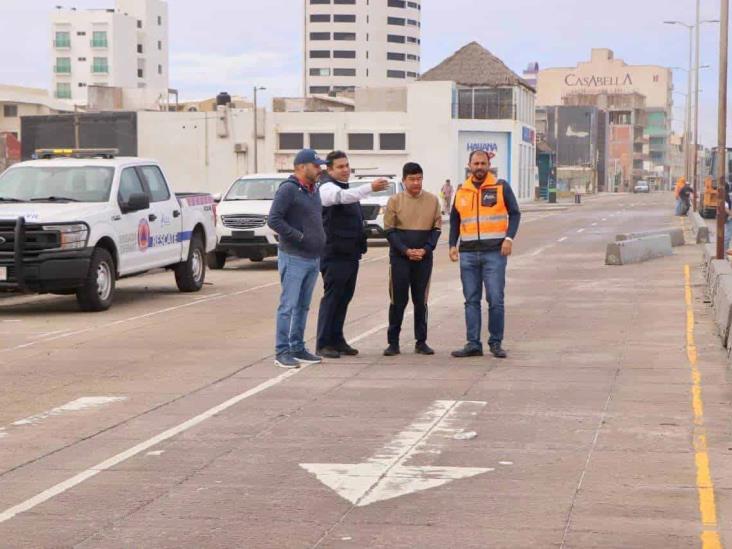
<point x="217" y="198"/>
<point x="136" y="202"/>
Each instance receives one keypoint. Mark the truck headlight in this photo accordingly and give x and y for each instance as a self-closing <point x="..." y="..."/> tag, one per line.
<point x="71" y="237"/>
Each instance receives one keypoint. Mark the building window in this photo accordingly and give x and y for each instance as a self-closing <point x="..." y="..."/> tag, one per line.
<point x="486" y="104"/>
<point x="99" y="39"/>
<point x="395" y="74"/>
<point x="414" y="5"/>
<point x="139" y="23"/>
<point x="395" y="38"/>
<point x="361" y="141"/>
<point x="100" y="65"/>
<point x="351" y="2"/>
<point x="344" y="54"/>
<point x="63" y="40"/>
<point x="320" y="18"/>
<point x="412" y="57"/>
<point x="81" y="33"/>
<point x="63" y="90"/>
<point x="160" y="45"/>
<point x="412" y="40"/>
<point x="82" y="84"/>
<point x="397" y="4"/>
<point x="319" y="36"/>
<point x="160" y="69"/>
<point x="350" y="36"/>
<point x="140" y="73"/>
<point x="392" y="141"/>
<point x="82" y="59"/>
<point x="322" y="141"/>
<point x="391" y="56"/>
<point x="63" y="65"/>
<point x="291" y="141"/>
<point x="319" y="2"/>
<point x="10" y="111"/>
<point x="139" y="48"/>
<point x="319" y="89"/>
<point x="412" y="74"/>
<point x="412" y="23"/>
<point x="160" y="20"/>
<point x="319" y="54"/>
<point x="319" y="72"/>
<point x="344" y="88"/>
<point x="344" y="72"/>
<point x="399" y="21"/>
<point x="344" y="18"/>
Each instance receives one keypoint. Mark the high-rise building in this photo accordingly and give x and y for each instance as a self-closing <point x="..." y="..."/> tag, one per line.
<point x="358" y="43"/>
<point x="125" y="47"/>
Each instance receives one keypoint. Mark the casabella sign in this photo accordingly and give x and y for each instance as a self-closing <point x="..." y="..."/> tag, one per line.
<point x="594" y="81"/>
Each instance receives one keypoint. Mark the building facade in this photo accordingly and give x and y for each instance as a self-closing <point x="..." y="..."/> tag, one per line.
<point x="125" y="47"/>
<point x="357" y="43"/>
<point x="639" y="101"/>
<point x="17" y="101"/>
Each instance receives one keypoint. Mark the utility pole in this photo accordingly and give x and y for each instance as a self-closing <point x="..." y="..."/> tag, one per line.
<point x="695" y="155"/>
<point x="256" y="132"/>
<point x="722" y="127"/>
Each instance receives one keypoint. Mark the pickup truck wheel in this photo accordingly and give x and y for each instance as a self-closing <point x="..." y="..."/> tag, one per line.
<point x="216" y="260"/>
<point x="98" y="290"/>
<point x="190" y="274"/>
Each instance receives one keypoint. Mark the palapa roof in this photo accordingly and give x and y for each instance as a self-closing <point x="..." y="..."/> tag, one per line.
<point x="474" y="66"/>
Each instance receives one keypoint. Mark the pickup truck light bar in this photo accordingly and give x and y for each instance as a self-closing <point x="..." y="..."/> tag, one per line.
<point x="47" y="154"/>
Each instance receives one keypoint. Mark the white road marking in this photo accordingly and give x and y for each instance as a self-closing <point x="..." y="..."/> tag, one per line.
<point x="604" y="218"/>
<point x="77" y="405"/>
<point x="156" y="453"/>
<point x="562" y="239"/>
<point x="580" y="230"/>
<point x="386" y="475"/>
<point x="505" y="463"/>
<point x="539" y="250"/>
<point x="594" y="224"/>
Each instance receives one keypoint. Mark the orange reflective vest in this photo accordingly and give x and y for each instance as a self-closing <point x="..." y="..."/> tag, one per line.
<point x="483" y="212"/>
<point x="680" y="182"/>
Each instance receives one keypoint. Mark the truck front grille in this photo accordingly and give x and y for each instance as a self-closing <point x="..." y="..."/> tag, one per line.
<point x="244" y="221"/>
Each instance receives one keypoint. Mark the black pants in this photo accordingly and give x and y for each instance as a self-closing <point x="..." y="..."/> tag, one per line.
<point x="406" y="275"/>
<point x="339" y="280"/>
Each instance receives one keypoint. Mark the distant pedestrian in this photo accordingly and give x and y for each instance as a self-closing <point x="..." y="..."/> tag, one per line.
<point x="685" y="194"/>
<point x="728" y="214"/>
<point x="413" y="221"/>
<point x="296" y="216"/>
<point x="446" y="195"/>
<point x="680" y="182"/>
<point x="485" y="218"/>
<point x="345" y="244"/>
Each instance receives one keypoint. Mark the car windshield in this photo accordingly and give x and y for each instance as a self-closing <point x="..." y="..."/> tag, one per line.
<point x="390" y="190"/>
<point x="254" y="189"/>
<point x="56" y="183"/>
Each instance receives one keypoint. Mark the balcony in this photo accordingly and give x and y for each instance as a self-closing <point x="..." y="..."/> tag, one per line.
<point x="64" y="94"/>
<point x="62" y="44"/>
<point x="100" y="69"/>
<point x="99" y="44"/>
<point x="62" y="69"/>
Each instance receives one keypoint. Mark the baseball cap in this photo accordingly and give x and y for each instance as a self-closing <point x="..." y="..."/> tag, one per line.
<point x="308" y="156"/>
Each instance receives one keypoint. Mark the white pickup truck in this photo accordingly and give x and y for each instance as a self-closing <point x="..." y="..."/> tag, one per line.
<point x="75" y="221"/>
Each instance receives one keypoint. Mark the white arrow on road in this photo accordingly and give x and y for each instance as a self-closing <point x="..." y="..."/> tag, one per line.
<point x="387" y="475"/>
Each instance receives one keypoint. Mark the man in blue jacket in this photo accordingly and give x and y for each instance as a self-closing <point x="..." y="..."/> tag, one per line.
<point x="296" y="216"/>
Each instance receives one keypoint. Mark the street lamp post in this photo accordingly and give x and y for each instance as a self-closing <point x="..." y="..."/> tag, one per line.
<point x="722" y="128"/>
<point x="256" y="132"/>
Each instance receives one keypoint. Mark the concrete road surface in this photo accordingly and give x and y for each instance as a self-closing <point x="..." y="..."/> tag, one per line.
<point x="163" y="422"/>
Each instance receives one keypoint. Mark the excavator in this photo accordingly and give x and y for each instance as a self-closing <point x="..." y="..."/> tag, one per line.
<point x="708" y="196"/>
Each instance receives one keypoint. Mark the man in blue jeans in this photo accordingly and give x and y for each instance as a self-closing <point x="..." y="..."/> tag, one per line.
<point x="485" y="218"/>
<point x="296" y="217"/>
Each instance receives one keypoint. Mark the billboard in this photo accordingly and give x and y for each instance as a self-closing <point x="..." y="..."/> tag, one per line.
<point x="498" y="143"/>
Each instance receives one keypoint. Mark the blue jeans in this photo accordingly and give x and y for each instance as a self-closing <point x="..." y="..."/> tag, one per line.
<point x="727" y="233"/>
<point x="297" y="276"/>
<point x="478" y="269"/>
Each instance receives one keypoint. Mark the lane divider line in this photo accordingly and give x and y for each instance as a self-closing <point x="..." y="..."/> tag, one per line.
<point x="704" y="484"/>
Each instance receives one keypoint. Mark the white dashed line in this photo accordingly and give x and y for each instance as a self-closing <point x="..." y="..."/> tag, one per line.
<point x="562" y="239"/>
<point x="580" y="230"/>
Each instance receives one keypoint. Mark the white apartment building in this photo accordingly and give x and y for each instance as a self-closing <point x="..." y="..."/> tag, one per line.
<point x="125" y="47"/>
<point x="360" y="43"/>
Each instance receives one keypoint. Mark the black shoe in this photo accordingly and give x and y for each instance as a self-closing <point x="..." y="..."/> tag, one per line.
<point x="467" y="352"/>
<point x="392" y="350"/>
<point x="423" y="349"/>
<point x="346" y="349"/>
<point x="497" y="351"/>
<point x="329" y="352"/>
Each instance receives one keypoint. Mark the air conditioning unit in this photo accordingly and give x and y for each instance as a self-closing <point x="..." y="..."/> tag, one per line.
<point x="240" y="147"/>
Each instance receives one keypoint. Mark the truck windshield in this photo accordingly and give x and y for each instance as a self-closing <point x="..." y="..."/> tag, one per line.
<point x="56" y="183"/>
<point x="254" y="189"/>
<point x="390" y="190"/>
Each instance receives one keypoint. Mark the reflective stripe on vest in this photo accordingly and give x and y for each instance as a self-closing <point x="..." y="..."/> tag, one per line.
<point x="480" y="222"/>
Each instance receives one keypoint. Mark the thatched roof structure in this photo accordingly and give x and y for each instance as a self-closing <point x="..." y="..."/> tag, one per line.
<point x="475" y="66"/>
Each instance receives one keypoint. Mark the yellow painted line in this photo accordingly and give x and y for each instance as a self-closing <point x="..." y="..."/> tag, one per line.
<point x="710" y="538"/>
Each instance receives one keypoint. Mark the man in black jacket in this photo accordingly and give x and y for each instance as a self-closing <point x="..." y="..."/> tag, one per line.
<point x="345" y="244"/>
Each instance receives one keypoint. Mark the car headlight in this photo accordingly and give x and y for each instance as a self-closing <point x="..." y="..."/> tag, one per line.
<point x="71" y="237"/>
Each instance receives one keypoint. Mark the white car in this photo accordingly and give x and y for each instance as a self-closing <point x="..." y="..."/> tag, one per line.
<point x="242" y="229"/>
<point x="374" y="206"/>
<point x="642" y="187"/>
<point x="75" y="221"/>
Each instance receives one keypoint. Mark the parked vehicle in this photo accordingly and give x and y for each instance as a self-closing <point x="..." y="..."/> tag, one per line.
<point x="242" y="230"/>
<point x="374" y="206"/>
<point x="76" y="221"/>
<point x="708" y="196"/>
<point x="642" y="187"/>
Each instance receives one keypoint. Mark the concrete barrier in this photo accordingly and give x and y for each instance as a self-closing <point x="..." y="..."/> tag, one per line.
<point x="699" y="228"/>
<point x="722" y="306"/>
<point x="719" y="269"/>
<point x="677" y="235"/>
<point x="710" y="253"/>
<point x="638" y="250"/>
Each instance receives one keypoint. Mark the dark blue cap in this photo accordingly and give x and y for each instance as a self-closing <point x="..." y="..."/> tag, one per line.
<point x="308" y="156"/>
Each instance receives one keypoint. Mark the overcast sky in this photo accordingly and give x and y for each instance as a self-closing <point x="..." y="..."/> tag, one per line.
<point x="234" y="44"/>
